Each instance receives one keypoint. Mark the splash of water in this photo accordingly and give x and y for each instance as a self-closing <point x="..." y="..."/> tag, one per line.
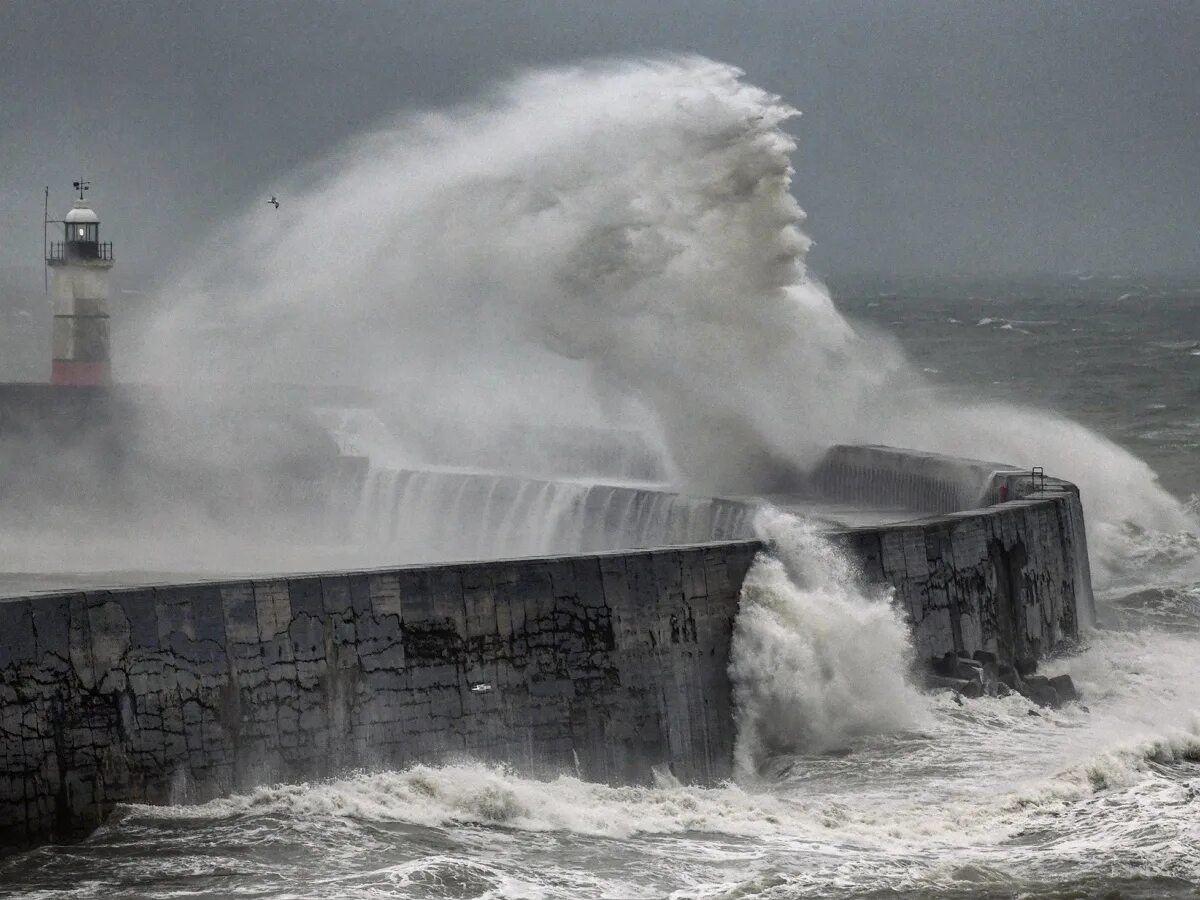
<point x="444" y="515"/>
<point x="475" y="793"/>
<point x="816" y="661"/>
<point x="611" y="243"/>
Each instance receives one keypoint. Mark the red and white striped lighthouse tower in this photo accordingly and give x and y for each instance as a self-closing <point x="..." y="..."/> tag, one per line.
<point x="80" y="298"/>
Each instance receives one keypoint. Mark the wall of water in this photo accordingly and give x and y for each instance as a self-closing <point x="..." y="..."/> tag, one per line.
<point x="429" y="516"/>
<point x="909" y="479"/>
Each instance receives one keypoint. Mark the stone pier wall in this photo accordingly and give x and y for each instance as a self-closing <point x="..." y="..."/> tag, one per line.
<point x="1010" y="578"/>
<point x="606" y="665"/>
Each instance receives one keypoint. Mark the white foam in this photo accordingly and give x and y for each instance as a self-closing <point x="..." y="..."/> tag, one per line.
<point x="471" y="793"/>
<point x="815" y="661"/>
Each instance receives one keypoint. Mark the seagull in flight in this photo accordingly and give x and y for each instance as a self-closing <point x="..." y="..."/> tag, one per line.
<point x="274" y="202"/>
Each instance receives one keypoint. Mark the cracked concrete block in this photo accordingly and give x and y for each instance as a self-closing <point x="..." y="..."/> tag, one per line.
<point x="305" y="597"/>
<point x="241" y="615"/>
<point x="335" y="595"/>
<point x="479" y="605"/>
<point x="51" y="624"/>
<point x="273" y="607"/>
<point x="17" y="644"/>
<point x="384" y="591"/>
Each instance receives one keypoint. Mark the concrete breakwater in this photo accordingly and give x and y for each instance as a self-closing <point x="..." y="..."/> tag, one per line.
<point x="604" y="664"/>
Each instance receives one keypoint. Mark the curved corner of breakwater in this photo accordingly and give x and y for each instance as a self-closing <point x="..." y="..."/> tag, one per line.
<point x="1001" y="564"/>
<point x="602" y="664"/>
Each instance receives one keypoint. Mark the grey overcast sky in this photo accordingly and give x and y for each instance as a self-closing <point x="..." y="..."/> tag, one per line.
<point x="936" y="137"/>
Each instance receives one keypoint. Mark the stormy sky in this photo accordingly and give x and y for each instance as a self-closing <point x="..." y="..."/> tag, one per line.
<point x="936" y="137"/>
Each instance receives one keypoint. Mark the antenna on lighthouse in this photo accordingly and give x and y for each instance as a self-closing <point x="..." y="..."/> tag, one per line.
<point x="45" y="226"/>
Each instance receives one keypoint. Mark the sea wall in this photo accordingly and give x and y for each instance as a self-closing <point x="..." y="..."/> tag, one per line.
<point x="1005" y="568"/>
<point x="1010" y="579"/>
<point x="605" y="664"/>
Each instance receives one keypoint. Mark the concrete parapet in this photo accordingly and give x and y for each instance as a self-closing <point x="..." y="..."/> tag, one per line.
<point x="922" y="482"/>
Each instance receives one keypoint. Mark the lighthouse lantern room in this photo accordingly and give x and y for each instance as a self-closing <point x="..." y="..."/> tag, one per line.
<point x="79" y="298"/>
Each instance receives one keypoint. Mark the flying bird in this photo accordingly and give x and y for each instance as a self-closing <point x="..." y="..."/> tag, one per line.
<point x="274" y="202"/>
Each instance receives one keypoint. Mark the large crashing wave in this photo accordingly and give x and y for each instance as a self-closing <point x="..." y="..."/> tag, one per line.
<point x="816" y="660"/>
<point x="597" y="243"/>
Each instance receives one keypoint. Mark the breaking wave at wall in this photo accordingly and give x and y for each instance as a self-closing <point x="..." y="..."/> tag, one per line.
<point x="816" y="659"/>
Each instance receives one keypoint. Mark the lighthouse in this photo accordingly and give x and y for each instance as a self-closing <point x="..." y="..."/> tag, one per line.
<point x="79" y="298"/>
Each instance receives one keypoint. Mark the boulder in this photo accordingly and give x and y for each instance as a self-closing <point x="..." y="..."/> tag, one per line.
<point x="991" y="670"/>
<point x="972" y="689"/>
<point x="985" y="658"/>
<point x="1026" y="665"/>
<point x="1038" y="689"/>
<point x="960" y="686"/>
<point x="1065" y="688"/>
<point x="945" y="666"/>
<point x="942" y="683"/>
<point x="1008" y="676"/>
<point x="968" y="669"/>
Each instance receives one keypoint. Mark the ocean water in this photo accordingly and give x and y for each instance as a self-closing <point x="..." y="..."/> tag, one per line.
<point x="870" y="788"/>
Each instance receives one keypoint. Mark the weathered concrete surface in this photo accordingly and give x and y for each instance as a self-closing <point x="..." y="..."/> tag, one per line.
<point x="607" y="663"/>
<point x="1003" y="579"/>
<point x="1005" y="570"/>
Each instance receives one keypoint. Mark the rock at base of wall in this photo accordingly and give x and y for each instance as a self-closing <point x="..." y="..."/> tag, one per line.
<point x="1052" y="692"/>
<point x="1009" y="677"/>
<point x="954" y="666"/>
<point x="1039" y="689"/>
<point x="985" y="676"/>
<point x="967" y="687"/>
<point x="944" y="683"/>
<point x="1065" y="688"/>
<point x="985" y="658"/>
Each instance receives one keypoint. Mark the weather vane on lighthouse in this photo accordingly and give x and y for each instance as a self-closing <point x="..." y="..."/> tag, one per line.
<point x="82" y="186"/>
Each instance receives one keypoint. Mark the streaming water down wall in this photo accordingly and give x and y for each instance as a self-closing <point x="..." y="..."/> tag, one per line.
<point x="430" y="516"/>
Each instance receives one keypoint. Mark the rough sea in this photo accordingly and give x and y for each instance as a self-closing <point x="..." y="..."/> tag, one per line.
<point x="987" y="798"/>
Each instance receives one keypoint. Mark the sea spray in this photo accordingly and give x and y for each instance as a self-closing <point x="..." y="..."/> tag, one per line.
<point x="817" y="660"/>
<point x="613" y="244"/>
